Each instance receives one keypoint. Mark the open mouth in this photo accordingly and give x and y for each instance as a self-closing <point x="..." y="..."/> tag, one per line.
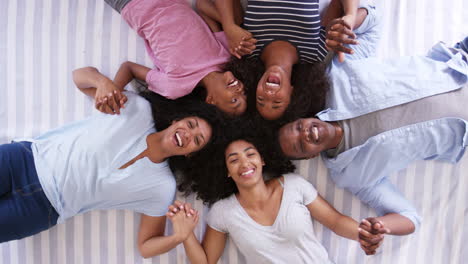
<point x="273" y="81"/>
<point x="249" y="173"/>
<point x="178" y="140"/>
<point x="315" y="133"/>
<point x="233" y="83"/>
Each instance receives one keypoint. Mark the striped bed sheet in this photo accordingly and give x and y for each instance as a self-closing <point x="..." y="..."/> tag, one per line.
<point x="42" y="41"/>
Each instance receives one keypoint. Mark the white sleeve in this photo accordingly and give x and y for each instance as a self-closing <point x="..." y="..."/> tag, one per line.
<point x="216" y="219"/>
<point x="305" y="188"/>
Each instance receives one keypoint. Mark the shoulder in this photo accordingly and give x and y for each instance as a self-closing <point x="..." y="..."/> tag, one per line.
<point x="295" y="179"/>
<point x="222" y="205"/>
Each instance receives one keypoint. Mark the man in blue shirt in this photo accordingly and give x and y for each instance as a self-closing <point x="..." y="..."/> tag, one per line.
<point x="381" y="115"/>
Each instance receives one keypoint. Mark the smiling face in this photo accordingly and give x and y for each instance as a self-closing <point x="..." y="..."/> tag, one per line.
<point x="244" y="163"/>
<point x="306" y="138"/>
<point x="187" y="135"/>
<point x="227" y="93"/>
<point x="273" y="93"/>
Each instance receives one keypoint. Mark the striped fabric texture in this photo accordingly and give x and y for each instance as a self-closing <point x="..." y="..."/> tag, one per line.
<point x="296" y="21"/>
<point x="42" y="41"/>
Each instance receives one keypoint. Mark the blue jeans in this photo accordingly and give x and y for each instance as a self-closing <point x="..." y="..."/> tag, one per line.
<point x="24" y="208"/>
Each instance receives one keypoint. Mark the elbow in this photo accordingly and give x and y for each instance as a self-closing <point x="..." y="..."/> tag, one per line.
<point x="144" y="252"/>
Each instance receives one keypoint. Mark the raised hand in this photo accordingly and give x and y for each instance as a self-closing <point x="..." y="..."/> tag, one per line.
<point x="339" y="33"/>
<point x="109" y="99"/>
<point x="241" y="41"/>
<point x="184" y="219"/>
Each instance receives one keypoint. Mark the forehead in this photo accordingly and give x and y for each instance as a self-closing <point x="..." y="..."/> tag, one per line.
<point x="238" y="146"/>
<point x="287" y="140"/>
<point x="270" y="113"/>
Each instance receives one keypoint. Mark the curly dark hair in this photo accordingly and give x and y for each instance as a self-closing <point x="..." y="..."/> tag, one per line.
<point x="310" y="82"/>
<point x="206" y="173"/>
<point x="311" y="85"/>
<point x="165" y="111"/>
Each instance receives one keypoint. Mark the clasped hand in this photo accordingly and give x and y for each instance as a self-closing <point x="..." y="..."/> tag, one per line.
<point x="109" y="99"/>
<point x="184" y="219"/>
<point x="371" y="234"/>
<point x="241" y="42"/>
<point x="340" y="33"/>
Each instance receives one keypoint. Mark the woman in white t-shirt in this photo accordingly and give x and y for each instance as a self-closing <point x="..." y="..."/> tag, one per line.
<point x="269" y="221"/>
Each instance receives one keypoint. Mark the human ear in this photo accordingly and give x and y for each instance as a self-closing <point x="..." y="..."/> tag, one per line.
<point x="209" y="100"/>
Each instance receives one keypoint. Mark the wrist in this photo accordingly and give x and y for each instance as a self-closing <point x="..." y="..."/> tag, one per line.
<point x="178" y="238"/>
<point x="102" y="81"/>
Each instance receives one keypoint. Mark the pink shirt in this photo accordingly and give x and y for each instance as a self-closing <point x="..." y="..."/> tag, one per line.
<point x="180" y="44"/>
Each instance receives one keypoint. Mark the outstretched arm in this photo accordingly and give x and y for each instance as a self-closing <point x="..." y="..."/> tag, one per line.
<point x="213" y="243"/>
<point x="151" y="239"/>
<point x="397" y="213"/>
<point x="241" y="42"/>
<point x="343" y="225"/>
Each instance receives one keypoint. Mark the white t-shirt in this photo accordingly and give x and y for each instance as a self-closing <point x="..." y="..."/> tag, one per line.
<point x="290" y="239"/>
<point x="78" y="164"/>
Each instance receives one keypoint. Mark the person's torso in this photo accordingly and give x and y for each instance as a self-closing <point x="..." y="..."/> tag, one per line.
<point x="78" y="164"/>
<point x="296" y="21"/>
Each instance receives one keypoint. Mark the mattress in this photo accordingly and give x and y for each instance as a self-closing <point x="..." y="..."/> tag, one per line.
<point x="42" y="41"/>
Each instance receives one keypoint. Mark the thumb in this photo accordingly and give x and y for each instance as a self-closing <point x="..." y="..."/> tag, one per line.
<point x="341" y="56"/>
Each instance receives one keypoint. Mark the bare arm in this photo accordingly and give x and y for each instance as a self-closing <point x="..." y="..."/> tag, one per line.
<point x="87" y="79"/>
<point x="151" y="239"/>
<point x="240" y="40"/>
<point x="396" y="224"/>
<point x="128" y="71"/>
<point x="340" y="224"/>
<point x="213" y="242"/>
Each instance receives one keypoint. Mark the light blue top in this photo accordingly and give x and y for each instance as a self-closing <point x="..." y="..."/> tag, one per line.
<point x="78" y="164"/>
<point x="362" y="85"/>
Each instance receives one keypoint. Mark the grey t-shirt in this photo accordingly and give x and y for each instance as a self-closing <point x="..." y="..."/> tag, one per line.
<point x="290" y="239"/>
<point x="358" y="130"/>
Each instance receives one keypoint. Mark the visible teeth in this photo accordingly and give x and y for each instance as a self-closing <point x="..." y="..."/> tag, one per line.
<point x="247" y="172"/>
<point x="234" y="83"/>
<point x="272" y="84"/>
<point x="179" y="140"/>
<point x="316" y="134"/>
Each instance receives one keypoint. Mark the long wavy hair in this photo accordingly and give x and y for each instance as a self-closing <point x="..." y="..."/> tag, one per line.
<point x="206" y="173"/>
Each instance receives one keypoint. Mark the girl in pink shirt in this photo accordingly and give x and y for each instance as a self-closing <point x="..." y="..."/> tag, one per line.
<point x="184" y="51"/>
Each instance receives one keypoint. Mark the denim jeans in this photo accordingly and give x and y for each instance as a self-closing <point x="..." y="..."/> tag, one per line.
<point x="24" y="208"/>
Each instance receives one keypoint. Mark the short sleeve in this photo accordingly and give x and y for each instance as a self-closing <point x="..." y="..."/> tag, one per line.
<point x="216" y="219"/>
<point x="305" y="188"/>
<point x="385" y="198"/>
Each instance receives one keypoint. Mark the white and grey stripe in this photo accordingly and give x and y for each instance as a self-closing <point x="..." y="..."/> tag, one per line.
<point x="289" y="21"/>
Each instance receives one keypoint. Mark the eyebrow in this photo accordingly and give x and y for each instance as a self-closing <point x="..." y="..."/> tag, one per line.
<point x="235" y="153"/>
<point x="247" y="148"/>
<point x="196" y="122"/>
<point x="261" y="104"/>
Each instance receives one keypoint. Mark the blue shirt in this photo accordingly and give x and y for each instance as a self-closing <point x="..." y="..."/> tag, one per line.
<point x="78" y="164"/>
<point x="362" y="85"/>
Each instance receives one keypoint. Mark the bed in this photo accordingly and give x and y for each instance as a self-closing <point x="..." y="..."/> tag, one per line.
<point x="42" y="41"/>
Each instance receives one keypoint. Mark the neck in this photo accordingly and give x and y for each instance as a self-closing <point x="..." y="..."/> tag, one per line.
<point x="280" y="53"/>
<point x="154" y="151"/>
<point x="338" y="135"/>
<point x="255" y="196"/>
<point x="207" y="80"/>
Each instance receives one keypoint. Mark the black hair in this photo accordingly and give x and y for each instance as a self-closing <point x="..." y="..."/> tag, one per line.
<point x="165" y="111"/>
<point x="310" y="82"/>
<point x="311" y="85"/>
<point x="206" y="173"/>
